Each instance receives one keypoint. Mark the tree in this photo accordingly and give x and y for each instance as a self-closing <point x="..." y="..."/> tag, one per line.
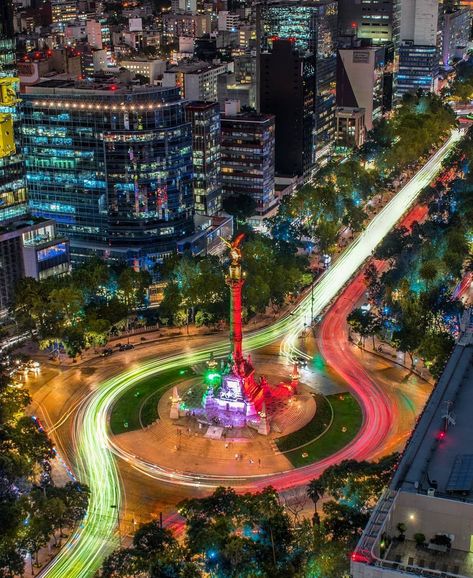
<point x="29" y="514"/>
<point x="429" y="271"/>
<point x="326" y="558"/>
<point x="393" y="244"/>
<point x="124" y="563"/>
<point x="364" y="322"/>
<point x="241" y="206"/>
<point x="76" y="498"/>
<point x="436" y="348"/>
<point x="316" y="491"/>
<point x="36" y="536"/>
<point x="152" y="537"/>
<point x="11" y="562"/>
<point x="28" y="305"/>
<point x="132" y="286"/>
<point x="344" y="523"/>
<point x="96" y="331"/>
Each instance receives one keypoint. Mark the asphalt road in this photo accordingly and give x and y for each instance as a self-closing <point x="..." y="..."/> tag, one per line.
<point x="76" y="404"/>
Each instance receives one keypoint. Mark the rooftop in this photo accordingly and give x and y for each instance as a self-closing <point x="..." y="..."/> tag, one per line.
<point x="440" y="448"/>
<point x="248" y="117"/>
<point x="431" y="494"/>
<point x="100" y="87"/>
<point x="193" y="67"/>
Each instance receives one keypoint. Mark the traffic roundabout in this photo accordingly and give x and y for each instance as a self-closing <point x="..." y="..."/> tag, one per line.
<point x="95" y="461"/>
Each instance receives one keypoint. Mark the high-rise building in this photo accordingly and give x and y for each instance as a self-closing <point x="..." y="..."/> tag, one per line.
<point x="12" y="186"/>
<point x="196" y="80"/>
<point x="228" y="21"/>
<point x="204" y="118"/>
<point x="63" y="11"/>
<point x="456" y="34"/>
<point x="313" y="28"/>
<point x="6" y="23"/>
<point x="351" y="129"/>
<point x="360" y="81"/>
<point x="98" y="34"/>
<point x="28" y="247"/>
<point x="418" y="68"/>
<point x="415" y="30"/>
<point x="112" y="165"/>
<point x="288" y="90"/>
<point x="431" y="492"/>
<point x="178" y="6"/>
<point x="248" y="158"/>
<point x="185" y="24"/>
<point x="366" y="19"/>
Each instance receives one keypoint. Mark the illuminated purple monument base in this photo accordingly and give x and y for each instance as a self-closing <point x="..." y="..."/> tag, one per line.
<point x="234" y="397"/>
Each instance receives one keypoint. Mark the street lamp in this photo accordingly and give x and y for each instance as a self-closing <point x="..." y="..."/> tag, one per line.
<point x="117" y="508"/>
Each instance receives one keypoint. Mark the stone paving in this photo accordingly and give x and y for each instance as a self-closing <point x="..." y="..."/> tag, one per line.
<point x="182" y="445"/>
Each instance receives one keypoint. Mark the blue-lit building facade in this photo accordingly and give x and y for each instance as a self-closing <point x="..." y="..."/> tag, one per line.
<point x="205" y="121"/>
<point x="418" y="68"/>
<point x="112" y="165"/>
<point x="312" y="27"/>
<point x="12" y="185"/>
<point x="29" y="247"/>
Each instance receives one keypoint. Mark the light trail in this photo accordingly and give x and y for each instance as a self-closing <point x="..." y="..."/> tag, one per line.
<point x="95" y="463"/>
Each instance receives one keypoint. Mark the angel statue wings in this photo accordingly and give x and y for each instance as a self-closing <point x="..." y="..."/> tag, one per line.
<point x="235" y="254"/>
<point x="234" y="246"/>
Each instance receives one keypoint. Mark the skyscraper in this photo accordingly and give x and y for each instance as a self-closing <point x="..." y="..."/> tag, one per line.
<point x="205" y="121"/>
<point x="312" y="26"/>
<point x="288" y="89"/>
<point x="28" y="247"/>
<point x="370" y="19"/>
<point x="12" y="185"/>
<point x="415" y="33"/>
<point x="112" y="165"/>
<point x="248" y="158"/>
<point x="360" y="75"/>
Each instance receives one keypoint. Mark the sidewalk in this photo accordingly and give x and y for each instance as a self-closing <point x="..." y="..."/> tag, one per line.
<point x="386" y="351"/>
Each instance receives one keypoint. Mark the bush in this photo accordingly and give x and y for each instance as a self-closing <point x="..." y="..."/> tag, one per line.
<point x="441" y="540"/>
<point x="419" y="538"/>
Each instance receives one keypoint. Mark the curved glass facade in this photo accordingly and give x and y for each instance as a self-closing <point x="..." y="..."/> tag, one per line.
<point x="112" y="166"/>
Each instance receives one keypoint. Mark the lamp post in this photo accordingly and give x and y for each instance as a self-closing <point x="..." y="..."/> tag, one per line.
<point x="117" y="508"/>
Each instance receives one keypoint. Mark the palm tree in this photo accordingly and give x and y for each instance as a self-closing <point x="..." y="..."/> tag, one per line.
<point x="315" y="491"/>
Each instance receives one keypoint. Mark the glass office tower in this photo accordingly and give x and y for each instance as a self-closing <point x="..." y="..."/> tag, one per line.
<point x="205" y="120"/>
<point x="112" y="165"/>
<point x="312" y="26"/>
<point x="12" y="185"/>
<point x="28" y="247"/>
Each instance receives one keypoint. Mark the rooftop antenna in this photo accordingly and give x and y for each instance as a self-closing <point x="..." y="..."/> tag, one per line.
<point x="448" y="416"/>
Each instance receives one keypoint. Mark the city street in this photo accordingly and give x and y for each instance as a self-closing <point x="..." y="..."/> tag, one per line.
<point x="93" y="461"/>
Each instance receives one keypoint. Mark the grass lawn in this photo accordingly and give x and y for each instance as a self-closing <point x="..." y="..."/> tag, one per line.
<point x="346" y="414"/>
<point x="311" y="430"/>
<point x="143" y="395"/>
